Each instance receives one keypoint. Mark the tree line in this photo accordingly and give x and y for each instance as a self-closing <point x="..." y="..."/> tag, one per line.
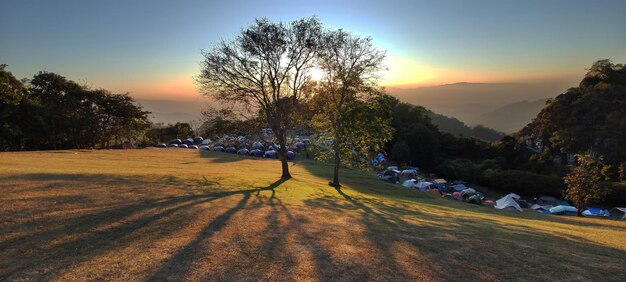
<point x="50" y="112"/>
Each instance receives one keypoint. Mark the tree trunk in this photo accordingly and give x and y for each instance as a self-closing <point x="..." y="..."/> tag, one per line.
<point x="337" y="161"/>
<point x="282" y="154"/>
<point x="579" y="210"/>
<point x="285" y="168"/>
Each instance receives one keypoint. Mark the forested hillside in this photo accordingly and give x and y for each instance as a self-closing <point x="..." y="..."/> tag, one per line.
<point x="458" y="128"/>
<point x="590" y="118"/>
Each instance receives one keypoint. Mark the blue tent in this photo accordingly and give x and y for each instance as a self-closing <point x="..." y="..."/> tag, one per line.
<point x="291" y="155"/>
<point x="270" y="154"/>
<point x="256" y="153"/>
<point x="596" y="212"/>
<point x="176" y="141"/>
<point x="218" y="149"/>
<point x="301" y="145"/>
<point x="563" y="210"/>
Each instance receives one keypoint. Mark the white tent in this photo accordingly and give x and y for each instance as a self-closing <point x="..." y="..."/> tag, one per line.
<point x="409" y="183"/>
<point x="414" y="183"/>
<point x="508" y="201"/>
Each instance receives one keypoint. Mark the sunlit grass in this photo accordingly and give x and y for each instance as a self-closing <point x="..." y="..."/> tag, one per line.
<point x="175" y="214"/>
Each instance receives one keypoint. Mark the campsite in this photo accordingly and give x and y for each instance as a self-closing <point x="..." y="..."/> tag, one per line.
<point x="184" y="214"/>
<point x="312" y="140"/>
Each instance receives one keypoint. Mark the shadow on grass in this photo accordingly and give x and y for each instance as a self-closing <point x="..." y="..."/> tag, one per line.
<point x="181" y="262"/>
<point x="357" y="181"/>
<point x="458" y="247"/>
<point x="374" y="240"/>
<point x="51" y="250"/>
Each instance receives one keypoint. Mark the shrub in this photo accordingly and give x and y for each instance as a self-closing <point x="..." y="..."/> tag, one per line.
<point x="524" y="182"/>
<point x="461" y="169"/>
<point x="610" y="173"/>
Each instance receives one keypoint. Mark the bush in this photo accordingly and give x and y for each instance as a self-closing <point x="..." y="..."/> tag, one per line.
<point x="622" y="172"/>
<point x="609" y="173"/>
<point x="524" y="182"/>
<point x="461" y="169"/>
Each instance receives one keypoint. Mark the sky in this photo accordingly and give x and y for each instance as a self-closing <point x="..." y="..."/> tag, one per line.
<point x="152" y="48"/>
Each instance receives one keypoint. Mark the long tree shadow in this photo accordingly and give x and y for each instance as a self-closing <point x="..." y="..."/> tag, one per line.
<point x="181" y="263"/>
<point x="389" y="235"/>
<point x="50" y="251"/>
<point x="446" y="245"/>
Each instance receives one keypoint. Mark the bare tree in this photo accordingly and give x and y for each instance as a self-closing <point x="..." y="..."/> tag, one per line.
<point x="350" y="65"/>
<point x="266" y="67"/>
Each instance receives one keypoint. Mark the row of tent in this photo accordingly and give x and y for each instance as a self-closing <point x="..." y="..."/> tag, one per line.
<point x="457" y="192"/>
<point x="270" y="154"/>
<point x="551" y="205"/>
<point x="543" y="204"/>
<point x="190" y="142"/>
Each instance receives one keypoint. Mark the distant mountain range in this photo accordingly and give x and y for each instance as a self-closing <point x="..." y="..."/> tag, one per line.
<point x="169" y="111"/>
<point x="506" y="107"/>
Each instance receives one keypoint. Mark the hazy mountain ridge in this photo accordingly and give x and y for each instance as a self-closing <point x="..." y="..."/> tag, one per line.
<point x="471" y="104"/>
<point x="480" y="103"/>
<point x="172" y="118"/>
<point x="171" y="111"/>
<point x="456" y="127"/>
<point x="512" y="117"/>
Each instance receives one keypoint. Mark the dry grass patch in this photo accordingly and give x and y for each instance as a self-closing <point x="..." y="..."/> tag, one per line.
<point x="175" y="215"/>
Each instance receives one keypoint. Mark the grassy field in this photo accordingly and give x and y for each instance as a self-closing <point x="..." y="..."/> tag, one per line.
<point x="175" y="215"/>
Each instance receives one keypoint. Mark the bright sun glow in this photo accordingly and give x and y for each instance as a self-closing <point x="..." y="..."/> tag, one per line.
<point x="405" y="71"/>
<point x="316" y="74"/>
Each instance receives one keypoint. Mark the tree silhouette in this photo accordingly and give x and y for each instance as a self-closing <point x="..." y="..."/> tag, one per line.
<point x="266" y="67"/>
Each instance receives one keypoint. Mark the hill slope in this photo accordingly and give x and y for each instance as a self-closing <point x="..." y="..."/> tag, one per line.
<point x="173" y="214"/>
<point x="456" y="127"/>
<point x="512" y="117"/>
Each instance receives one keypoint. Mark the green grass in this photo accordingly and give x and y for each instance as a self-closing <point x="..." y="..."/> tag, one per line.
<point x="175" y="215"/>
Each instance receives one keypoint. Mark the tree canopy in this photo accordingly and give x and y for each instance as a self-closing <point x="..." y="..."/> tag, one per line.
<point x="52" y="112"/>
<point x="266" y="67"/>
<point x="352" y="111"/>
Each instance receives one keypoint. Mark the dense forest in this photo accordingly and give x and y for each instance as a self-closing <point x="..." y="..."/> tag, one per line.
<point x="52" y="112"/>
<point x="590" y="118"/>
